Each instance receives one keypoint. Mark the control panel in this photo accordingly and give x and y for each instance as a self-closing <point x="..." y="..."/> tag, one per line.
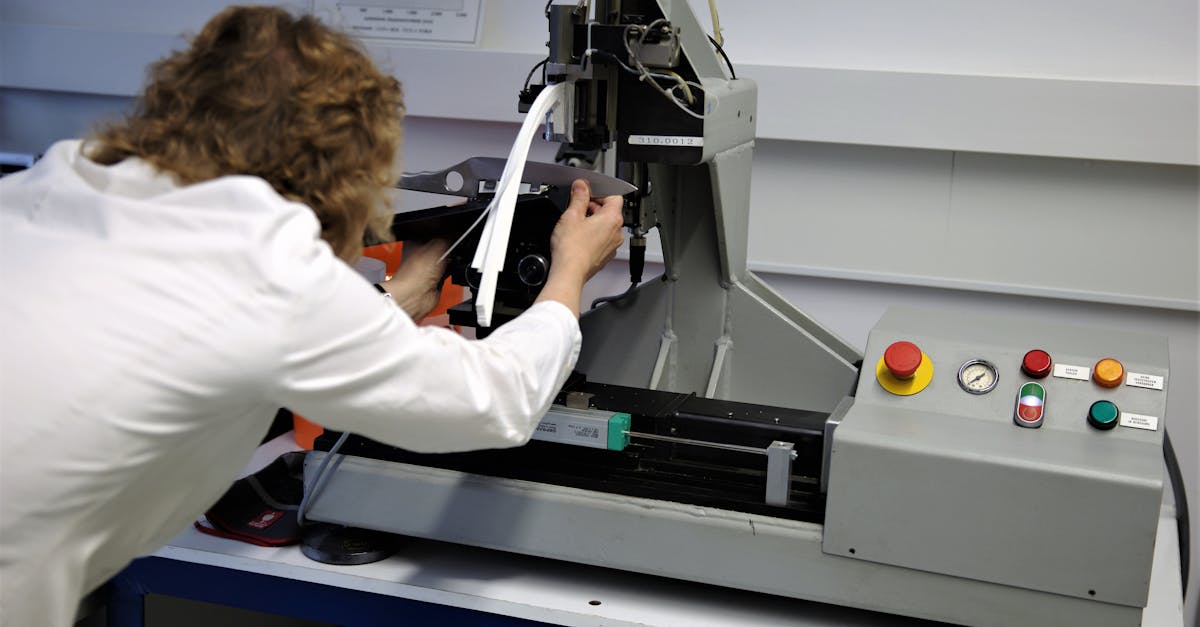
<point x="1006" y="450"/>
<point x="904" y="369"/>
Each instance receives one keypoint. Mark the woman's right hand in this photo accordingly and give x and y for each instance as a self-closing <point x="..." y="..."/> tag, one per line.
<point x="585" y="239"/>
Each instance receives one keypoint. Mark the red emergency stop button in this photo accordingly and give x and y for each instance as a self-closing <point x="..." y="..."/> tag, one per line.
<point x="902" y="359"/>
<point x="903" y="369"/>
<point x="1108" y="373"/>
<point x="1036" y="364"/>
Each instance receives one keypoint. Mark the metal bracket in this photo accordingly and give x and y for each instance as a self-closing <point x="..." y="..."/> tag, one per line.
<point x="779" y="472"/>
<point x="831" y="425"/>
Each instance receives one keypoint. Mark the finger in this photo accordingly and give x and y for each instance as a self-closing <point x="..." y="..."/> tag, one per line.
<point x="613" y="203"/>
<point x="610" y="206"/>
<point x="581" y="196"/>
<point x="614" y="216"/>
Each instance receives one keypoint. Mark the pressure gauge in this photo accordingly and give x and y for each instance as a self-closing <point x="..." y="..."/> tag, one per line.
<point x="977" y="376"/>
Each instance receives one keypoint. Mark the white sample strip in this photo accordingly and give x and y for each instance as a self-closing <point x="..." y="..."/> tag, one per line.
<point x="493" y="242"/>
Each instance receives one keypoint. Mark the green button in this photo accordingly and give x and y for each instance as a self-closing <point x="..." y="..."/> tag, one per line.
<point x="1103" y="415"/>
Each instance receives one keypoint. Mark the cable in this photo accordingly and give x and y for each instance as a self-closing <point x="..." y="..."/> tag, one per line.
<point x="716" y="36"/>
<point x="539" y="64"/>
<point x="313" y="487"/>
<point x="637" y="263"/>
<point x="615" y="297"/>
<point x="467" y="232"/>
<point x="644" y="73"/>
<point x="673" y="76"/>
<point x="721" y="51"/>
<point x="1181" y="509"/>
<point x="682" y="84"/>
<point x="686" y="85"/>
<point x="611" y="57"/>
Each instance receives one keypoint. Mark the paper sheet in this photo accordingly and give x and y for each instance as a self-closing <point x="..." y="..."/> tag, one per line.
<point x="493" y="242"/>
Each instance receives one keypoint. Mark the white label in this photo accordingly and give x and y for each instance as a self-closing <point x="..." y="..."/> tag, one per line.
<point x="454" y="21"/>
<point x="1148" y="381"/>
<point x="580" y="427"/>
<point x="1064" y="371"/>
<point x="676" y="141"/>
<point x="1139" y="421"/>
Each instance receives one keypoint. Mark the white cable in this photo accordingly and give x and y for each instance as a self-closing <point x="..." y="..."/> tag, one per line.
<point x="319" y="477"/>
<point x="645" y="73"/>
<point x="717" y="36"/>
<point x="483" y="214"/>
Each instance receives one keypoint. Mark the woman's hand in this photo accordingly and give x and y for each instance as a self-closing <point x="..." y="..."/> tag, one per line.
<point x="585" y="239"/>
<point x="417" y="283"/>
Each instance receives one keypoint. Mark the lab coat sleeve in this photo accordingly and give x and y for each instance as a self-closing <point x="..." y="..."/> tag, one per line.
<point x="354" y="361"/>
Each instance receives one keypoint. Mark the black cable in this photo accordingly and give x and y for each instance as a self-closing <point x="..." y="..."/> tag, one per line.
<point x="615" y="297"/>
<point x="637" y="262"/>
<point x="615" y="59"/>
<point x="1181" y="509"/>
<point x="721" y="51"/>
<point x="529" y="77"/>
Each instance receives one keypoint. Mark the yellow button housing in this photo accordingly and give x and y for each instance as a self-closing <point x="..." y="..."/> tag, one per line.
<point x="905" y="387"/>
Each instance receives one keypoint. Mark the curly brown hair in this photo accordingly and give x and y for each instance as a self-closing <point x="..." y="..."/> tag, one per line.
<point x="284" y="98"/>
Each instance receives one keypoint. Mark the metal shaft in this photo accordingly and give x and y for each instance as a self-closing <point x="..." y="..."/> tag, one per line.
<point x="721" y="445"/>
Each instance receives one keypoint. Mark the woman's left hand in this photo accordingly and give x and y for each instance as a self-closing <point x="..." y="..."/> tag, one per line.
<point x="417" y="283"/>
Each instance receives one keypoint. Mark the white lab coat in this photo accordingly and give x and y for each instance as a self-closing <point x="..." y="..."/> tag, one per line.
<point x="148" y="333"/>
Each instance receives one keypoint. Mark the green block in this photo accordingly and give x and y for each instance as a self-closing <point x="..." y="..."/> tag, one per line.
<point x="618" y="425"/>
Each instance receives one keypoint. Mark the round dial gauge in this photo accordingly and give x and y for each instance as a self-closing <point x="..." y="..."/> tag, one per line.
<point x="977" y="376"/>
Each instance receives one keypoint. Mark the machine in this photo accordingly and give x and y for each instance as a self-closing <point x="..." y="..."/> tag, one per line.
<point x="982" y="471"/>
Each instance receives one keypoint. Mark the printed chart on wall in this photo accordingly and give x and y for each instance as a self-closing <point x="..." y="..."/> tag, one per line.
<point x="454" y="22"/>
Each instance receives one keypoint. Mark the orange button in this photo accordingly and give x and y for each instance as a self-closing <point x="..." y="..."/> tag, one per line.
<point x="1108" y="373"/>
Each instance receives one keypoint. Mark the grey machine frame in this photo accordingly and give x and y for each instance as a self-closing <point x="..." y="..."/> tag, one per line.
<point x="975" y="521"/>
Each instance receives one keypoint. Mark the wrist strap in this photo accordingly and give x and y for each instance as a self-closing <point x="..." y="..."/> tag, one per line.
<point x="382" y="290"/>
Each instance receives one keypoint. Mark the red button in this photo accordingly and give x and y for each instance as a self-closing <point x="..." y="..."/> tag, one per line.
<point x="902" y="359"/>
<point x="1036" y="364"/>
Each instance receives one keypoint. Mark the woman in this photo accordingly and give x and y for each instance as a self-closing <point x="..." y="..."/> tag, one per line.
<point x="178" y="276"/>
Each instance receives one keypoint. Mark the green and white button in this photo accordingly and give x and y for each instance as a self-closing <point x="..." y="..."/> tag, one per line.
<point x="1031" y="405"/>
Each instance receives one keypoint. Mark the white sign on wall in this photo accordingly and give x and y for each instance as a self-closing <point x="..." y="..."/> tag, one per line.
<point x="432" y="21"/>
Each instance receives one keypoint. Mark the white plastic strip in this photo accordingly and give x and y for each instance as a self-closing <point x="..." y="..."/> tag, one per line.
<point x="493" y="243"/>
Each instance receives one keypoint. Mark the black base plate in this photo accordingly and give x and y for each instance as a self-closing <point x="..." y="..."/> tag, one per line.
<point x="348" y="546"/>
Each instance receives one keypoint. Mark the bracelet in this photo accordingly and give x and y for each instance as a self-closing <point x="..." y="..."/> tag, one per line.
<point x="383" y="291"/>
